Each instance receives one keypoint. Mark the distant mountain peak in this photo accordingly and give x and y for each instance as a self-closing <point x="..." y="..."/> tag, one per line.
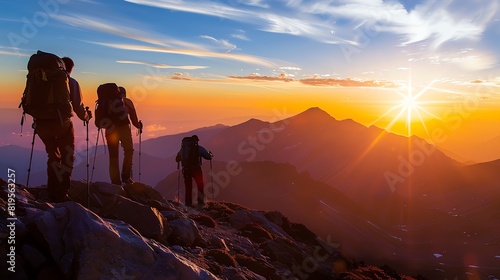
<point x="315" y="110"/>
<point x="314" y="113"/>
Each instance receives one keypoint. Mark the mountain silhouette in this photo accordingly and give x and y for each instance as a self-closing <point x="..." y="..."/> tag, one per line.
<point x="414" y="193"/>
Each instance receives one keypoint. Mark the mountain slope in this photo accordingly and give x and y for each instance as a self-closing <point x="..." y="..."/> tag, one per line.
<point x="424" y="232"/>
<point x="131" y="232"/>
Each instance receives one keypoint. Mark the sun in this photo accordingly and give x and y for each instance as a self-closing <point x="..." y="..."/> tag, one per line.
<point x="410" y="108"/>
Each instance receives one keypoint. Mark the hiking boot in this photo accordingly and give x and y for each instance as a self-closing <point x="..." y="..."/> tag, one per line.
<point x="60" y="198"/>
<point x="128" y="181"/>
<point x="201" y="204"/>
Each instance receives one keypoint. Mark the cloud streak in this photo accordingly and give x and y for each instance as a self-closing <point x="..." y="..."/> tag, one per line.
<point x="162" y="66"/>
<point x="190" y="52"/>
<point x="221" y="43"/>
<point x="120" y="29"/>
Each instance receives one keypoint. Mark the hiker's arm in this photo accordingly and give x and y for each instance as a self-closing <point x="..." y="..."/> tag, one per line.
<point x="76" y="100"/>
<point x="204" y="153"/>
<point x="178" y="157"/>
<point x="132" y="113"/>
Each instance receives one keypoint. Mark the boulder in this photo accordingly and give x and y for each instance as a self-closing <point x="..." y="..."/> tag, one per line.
<point x="145" y="219"/>
<point x="240" y="219"/>
<point x="143" y="193"/>
<point x="108" y="189"/>
<point x="184" y="232"/>
<point x="77" y="238"/>
<point x="100" y="193"/>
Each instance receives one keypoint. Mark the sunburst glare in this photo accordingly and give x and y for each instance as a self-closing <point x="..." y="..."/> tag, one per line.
<point x="410" y="108"/>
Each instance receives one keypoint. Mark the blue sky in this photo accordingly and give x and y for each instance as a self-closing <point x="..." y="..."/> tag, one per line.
<point x="352" y="38"/>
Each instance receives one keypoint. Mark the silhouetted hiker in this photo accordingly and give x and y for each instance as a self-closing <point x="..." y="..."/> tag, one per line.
<point x="190" y="157"/>
<point x="56" y="129"/>
<point x="120" y="132"/>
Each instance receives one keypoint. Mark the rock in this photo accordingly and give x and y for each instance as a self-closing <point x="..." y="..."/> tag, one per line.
<point x="184" y="232"/>
<point x="302" y="234"/>
<point x="283" y="251"/>
<point x="177" y="249"/>
<point x="143" y="193"/>
<point x="278" y="218"/>
<point x="259" y="267"/>
<point x="100" y="193"/>
<point x="222" y="257"/>
<point x="256" y="233"/>
<point x="147" y="220"/>
<point x="217" y="242"/>
<point x="196" y="250"/>
<point x="108" y="188"/>
<point x="242" y="218"/>
<point x="172" y="215"/>
<point x="84" y="246"/>
<point x="203" y="220"/>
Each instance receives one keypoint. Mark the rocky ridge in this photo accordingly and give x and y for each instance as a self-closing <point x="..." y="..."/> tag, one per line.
<point x="132" y="232"/>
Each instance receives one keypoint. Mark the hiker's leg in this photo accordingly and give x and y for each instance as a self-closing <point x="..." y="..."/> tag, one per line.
<point x="188" y="183"/>
<point x="49" y="131"/>
<point x="128" y="151"/>
<point x="113" y="145"/>
<point x="198" y="177"/>
<point x="66" y="144"/>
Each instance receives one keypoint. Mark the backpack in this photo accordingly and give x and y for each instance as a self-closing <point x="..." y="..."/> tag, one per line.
<point x="46" y="95"/>
<point x="110" y="109"/>
<point x="190" y="154"/>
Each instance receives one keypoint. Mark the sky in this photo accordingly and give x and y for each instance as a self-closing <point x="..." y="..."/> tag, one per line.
<point x="407" y="66"/>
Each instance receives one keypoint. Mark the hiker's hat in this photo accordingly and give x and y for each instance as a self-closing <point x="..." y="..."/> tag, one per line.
<point x="195" y="137"/>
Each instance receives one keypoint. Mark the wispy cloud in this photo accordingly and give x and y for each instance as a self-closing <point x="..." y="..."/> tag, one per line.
<point x="190" y="52"/>
<point x="341" y="22"/>
<point x="292" y="68"/>
<point x="347" y="83"/>
<point x="221" y="43"/>
<point x="443" y="21"/>
<point x="11" y="51"/>
<point x="257" y="77"/>
<point x="240" y="35"/>
<point x="467" y="59"/>
<point x="162" y="66"/>
<point x="118" y="29"/>
<point x="316" y="81"/>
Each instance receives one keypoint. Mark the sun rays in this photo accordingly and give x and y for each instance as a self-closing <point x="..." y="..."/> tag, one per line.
<point x="410" y="108"/>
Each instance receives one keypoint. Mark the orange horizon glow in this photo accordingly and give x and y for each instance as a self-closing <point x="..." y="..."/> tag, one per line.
<point x="406" y="111"/>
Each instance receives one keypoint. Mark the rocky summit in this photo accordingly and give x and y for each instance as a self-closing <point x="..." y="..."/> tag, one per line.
<point x="132" y="232"/>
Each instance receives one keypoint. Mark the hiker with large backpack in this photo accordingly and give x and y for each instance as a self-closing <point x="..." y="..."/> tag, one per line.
<point x="50" y="100"/>
<point x="190" y="156"/>
<point x="114" y="113"/>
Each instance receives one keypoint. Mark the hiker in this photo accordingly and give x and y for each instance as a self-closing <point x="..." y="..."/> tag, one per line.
<point x="121" y="132"/>
<point x="190" y="156"/>
<point x="59" y="138"/>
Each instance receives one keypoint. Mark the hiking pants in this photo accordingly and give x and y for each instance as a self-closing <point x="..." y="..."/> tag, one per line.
<point x="59" y="140"/>
<point x="197" y="175"/>
<point x="114" y="136"/>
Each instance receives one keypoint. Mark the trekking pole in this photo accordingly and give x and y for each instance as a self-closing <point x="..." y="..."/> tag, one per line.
<point x="31" y="155"/>
<point x="178" y="181"/>
<point x="95" y="154"/>
<point x="86" y="123"/>
<point x="140" y="148"/>
<point x="212" y="176"/>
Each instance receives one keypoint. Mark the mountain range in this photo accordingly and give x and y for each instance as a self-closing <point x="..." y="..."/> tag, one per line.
<point x="380" y="196"/>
